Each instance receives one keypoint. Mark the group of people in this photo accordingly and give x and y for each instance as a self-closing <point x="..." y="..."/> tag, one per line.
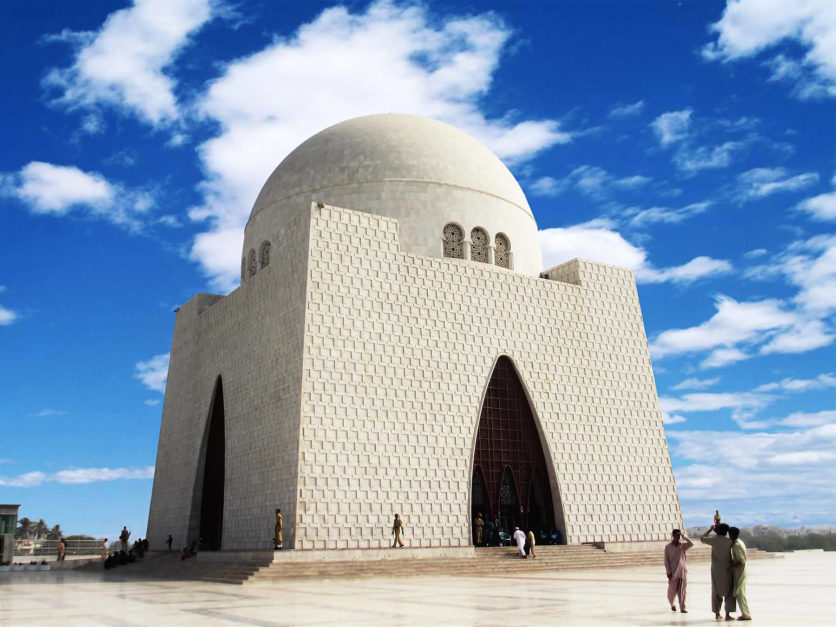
<point x="728" y="570"/>
<point x="124" y="555"/>
<point x="490" y="533"/>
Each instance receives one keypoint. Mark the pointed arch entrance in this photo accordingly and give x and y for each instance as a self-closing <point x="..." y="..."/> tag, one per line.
<point x="509" y="457"/>
<point x="211" y="484"/>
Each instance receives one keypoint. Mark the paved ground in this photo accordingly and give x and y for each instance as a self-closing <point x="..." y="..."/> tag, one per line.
<point x="797" y="589"/>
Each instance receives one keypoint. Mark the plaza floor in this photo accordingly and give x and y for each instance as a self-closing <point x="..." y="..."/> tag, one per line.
<point x="799" y="588"/>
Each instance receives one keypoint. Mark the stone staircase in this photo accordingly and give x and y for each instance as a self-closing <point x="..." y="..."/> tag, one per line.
<point x="485" y="562"/>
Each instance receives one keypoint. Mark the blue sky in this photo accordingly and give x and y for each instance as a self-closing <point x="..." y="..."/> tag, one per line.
<point x="693" y="142"/>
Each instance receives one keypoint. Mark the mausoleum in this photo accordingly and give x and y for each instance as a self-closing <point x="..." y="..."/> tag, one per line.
<point x="396" y="347"/>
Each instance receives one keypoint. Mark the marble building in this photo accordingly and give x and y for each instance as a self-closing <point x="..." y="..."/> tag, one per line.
<point x="396" y="346"/>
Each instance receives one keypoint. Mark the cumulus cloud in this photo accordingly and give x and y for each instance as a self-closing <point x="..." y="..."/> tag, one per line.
<point x="627" y="110"/>
<point x="694" y="383"/>
<point x="7" y="316"/>
<point x="440" y="67"/>
<point x="821" y="207"/>
<point x="123" y="64"/>
<point x="672" y="127"/>
<point x="667" y="215"/>
<point x="692" y="159"/>
<point x="597" y="241"/>
<point x="761" y="182"/>
<point x="76" y="476"/>
<point x="589" y="180"/>
<point x="822" y="381"/>
<point x="50" y="189"/>
<point x="153" y="372"/>
<point x="773" y="474"/>
<point x="47" y="413"/>
<point x="750" y="27"/>
<point x="734" y="322"/>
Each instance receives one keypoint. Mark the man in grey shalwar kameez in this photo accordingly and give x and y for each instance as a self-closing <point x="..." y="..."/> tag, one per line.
<point x="721" y="580"/>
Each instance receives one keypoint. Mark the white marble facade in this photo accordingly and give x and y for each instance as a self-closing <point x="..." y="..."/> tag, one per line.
<point x="354" y="365"/>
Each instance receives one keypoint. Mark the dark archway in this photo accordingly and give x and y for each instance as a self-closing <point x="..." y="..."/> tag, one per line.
<point x="510" y="458"/>
<point x="214" y="471"/>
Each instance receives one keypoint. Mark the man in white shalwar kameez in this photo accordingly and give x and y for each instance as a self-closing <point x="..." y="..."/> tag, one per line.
<point x="676" y="568"/>
<point x="721" y="580"/>
<point x="519" y="538"/>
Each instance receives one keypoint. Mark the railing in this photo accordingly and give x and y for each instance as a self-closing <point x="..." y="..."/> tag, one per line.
<point x="25" y="548"/>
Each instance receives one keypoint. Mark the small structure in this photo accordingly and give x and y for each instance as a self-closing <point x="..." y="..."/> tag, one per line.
<point x="8" y="524"/>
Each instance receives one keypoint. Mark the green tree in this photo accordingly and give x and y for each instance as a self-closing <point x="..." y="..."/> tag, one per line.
<point x="41" y="529"/>
<point x="55" y="533"/>
<point x="24" y="529"/>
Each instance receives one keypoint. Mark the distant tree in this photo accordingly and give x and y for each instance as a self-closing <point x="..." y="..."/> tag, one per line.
<point x="41" y="529"/>
<point x="24" y="529"/>
<point x="79" y="537"/>
<point x="55" y="533"/>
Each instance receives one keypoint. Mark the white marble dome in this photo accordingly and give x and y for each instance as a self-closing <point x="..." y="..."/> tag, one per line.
<point x="424" y="173"/>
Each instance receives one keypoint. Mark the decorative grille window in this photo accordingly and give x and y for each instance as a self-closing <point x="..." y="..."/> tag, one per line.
<point x="453" y="241"/>
<point x="479" y="245"/>
<point x="266" y="247"/>
<point x="252" y="263"/>
<point x="502" y="256"/>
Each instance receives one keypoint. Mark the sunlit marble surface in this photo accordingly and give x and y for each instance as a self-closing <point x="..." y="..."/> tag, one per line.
<point x="797" y="589"/>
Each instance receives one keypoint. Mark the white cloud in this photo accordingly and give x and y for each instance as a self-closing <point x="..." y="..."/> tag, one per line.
<point x="692" y="159"/>
<point x="56" y="190"/>
<point x="749" y="27"/>
<point x="153" y="372"/>
<point x="597" y="242"/>
<point x="785" y="468"/>
<point x="590" y="181"/>
<point x="49" y="188"/>
<point x="696" y="384"/>
<point x="123" y="63"/>
<point x="812" y="419"/>
<point x="627" y="110"/>
<point x="46" y="413"/>
<point x="698" y="268"/>
<point x="667" y="215"/>
<point x="762" y="182"/>
<point x="723" y="357"/>
<point x="805" y="335"/>
<point x="440" y="67"/>
<point x="755" y="253"/>
<point x="672" y="127"/>
<point x="733" y="323"/>
<point x="822" y="381"/>
<point x="152" y="402"/>
<point x="7" y="316"/>
<point x="77" y="476"/>
<point x="821" y="207"/>
<point x="667" y="419"/>
<point x="706" y="401"/>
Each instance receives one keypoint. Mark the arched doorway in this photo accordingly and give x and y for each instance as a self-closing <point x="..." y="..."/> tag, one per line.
<point x="214" y="471"/>
<point x="509" y="457"/>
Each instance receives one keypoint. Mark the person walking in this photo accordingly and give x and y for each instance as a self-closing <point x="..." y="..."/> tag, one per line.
<point x="721" y="581"/>
<point x="397" y="530"/>
<point x="676" y="568"/>
<point x="62" y="550"/>
<point x="738" y="572"/>
<point x="530" y="538"/>
<point x="169" y="541"/>
<point x="104" y="549"/>
<point x="519" y="538"/>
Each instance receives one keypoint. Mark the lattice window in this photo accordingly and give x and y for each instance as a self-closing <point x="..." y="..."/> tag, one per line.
<point x="252" y="263"/>
<point x="266" y="247"/>
<point x="502" y="250"/>
<point x="453" y="241"/>
<point x="479" y="245"/>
